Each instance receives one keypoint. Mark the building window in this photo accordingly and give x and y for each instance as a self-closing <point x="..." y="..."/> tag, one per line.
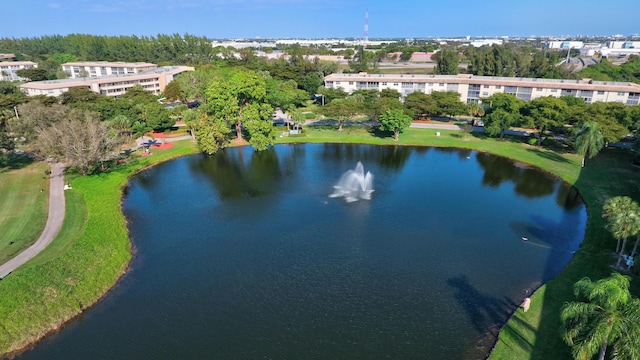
<point x="498" y="87"/>
<point x="538" y="89"/>
<point x="337" y="82"/>
<point x="600" y="92"/>
<point x="486" y="86"/>
<point x="485" y="93"/>
<point x="395" y="84"/>
<point x="350" y="82"/>
<point x="441" y="84"/>
<point x="554" y="90"/>
<point x="384" y="83"/>
<point x="620" y="93"/>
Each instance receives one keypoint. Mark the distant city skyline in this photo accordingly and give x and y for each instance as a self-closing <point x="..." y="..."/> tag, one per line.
<point x="271" y="19"/>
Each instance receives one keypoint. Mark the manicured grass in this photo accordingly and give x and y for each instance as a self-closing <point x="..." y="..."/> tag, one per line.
<point x="24" y="201"/>
<point x="77" y="270"/>
<point x="55" y="286"/>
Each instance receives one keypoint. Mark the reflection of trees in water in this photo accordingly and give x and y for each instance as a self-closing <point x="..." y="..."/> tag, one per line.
<point x="233" y="177"/>
<point x="568" y="197"/>
<point x="462" y="153"/>
<point x="388" y="157"/>
<point x="528" y="182"/>
<point x="533" y="183"/>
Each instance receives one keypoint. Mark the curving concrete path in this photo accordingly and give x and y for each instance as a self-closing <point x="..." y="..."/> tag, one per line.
<point x="54" y="221"/>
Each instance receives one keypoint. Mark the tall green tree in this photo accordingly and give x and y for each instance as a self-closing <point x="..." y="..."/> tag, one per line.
<point x="447" y="61"/>
<point x="605" y="315"/>
<point x="496" y="122"/>
<point x="394" y="120"/>
<point x="623" y="220"/>
<point x="545" y="113"/>
<point x="241" y="97"/>
<point x="589" y="140"/>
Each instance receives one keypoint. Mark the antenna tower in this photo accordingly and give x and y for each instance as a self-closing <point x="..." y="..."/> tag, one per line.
<point x="366" y="27"/>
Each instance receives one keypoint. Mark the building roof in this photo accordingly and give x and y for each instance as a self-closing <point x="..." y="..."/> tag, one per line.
<point x="3" y="63"/>
<point x="108" y="63"/>
<point x="584" y="84"/>
<point x="87" y="81"/>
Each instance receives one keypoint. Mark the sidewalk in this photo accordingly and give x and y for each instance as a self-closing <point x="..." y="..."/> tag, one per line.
<point x="54" y="222"/>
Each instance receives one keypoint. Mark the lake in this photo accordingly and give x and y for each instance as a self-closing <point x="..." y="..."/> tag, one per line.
<point x="244" y="255"/>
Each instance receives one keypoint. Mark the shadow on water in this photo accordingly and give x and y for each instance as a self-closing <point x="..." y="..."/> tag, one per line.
<point x="486" y="313"/>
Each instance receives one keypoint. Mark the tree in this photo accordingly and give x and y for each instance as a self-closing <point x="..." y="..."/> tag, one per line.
<point x="447" y="61"/>
<point x="33" y="74"/>
<point x="544" y="113"/>
<point x="606" y="315"/>
<point x="448" y="103"/>
<point x="623" y="220"/>
<point x="239" y="97"/>
<point x="78" y="95"/>
<point x="420" y="104"/>
<point x="496" y="122"/>
<point x="394" y="120"/>
<point x="588" y="140"/>
<point x="173" y="91"/>
<point x="79" y="139"/>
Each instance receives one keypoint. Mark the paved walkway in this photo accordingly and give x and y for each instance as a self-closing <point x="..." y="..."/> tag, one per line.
<point x="54" y="221"/>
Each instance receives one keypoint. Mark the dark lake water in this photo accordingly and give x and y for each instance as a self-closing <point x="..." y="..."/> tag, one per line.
<point x="243" y="255"/>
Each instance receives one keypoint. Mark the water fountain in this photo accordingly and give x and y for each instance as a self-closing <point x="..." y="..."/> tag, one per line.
<point x="354" y="185"/>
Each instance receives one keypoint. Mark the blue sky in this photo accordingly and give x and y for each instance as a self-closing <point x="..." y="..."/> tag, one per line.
<point x="319" y="19"/>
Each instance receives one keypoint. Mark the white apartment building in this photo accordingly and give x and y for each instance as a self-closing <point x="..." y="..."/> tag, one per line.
<point x="104" y="68"/>
<point x="473" y="88"/>
<point x="154" y="81"/>
<point x="8" y="69"/>
<point x="564" y="45"/>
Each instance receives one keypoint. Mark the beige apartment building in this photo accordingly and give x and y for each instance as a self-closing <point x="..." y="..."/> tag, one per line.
<point x="8" y="69"/>
<point x="153" y="81"/>
<point x="473" y="88"/>
<point x="104" y="68"/>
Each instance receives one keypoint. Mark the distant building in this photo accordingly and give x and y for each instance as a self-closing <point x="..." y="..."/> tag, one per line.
<point x="154" y="81"/>
<point x="104" y="68"/>
<point x="7" y="57"/>
<point x="564" y="45"/>
<point x="8" y="69"/>
<point x="473" y="88"/>
<point x="483" y="42"/>
<point x="622" y="44"/>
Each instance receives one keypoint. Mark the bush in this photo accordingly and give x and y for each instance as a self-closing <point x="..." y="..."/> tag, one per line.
<point x="532" y="141"/>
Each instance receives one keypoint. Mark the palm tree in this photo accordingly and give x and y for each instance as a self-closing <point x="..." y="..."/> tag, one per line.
<point x="589" y="140"/>
<point x="619" y="212"/>
<point x="609" y="315"/>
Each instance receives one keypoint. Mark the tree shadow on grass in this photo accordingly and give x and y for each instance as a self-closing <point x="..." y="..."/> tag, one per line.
<point x="380" y="134"/>
<point x="16" y="161"/>
<point x="549" y="155"/>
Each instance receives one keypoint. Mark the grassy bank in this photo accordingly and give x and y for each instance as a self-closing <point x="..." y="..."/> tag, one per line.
<point x="89" y="254"/>
<point x="23" y="205"/>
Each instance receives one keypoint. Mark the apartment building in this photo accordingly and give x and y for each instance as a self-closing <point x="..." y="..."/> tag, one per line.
<point x="8" y="69"/>
<point x="104" y="68"/>
<point x="154" y="81"/>
<point x="473" y="88"/>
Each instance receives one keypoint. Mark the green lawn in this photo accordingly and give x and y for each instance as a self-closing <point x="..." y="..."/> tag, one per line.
<point x="23" y="206"/>
<point x="92" y="250"/>
<point x="85" y="260"/>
